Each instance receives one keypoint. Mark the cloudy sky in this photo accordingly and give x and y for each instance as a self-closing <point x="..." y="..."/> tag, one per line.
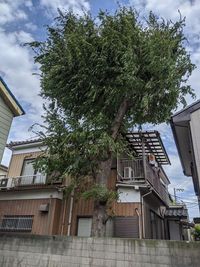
<point x="24" y="20"/>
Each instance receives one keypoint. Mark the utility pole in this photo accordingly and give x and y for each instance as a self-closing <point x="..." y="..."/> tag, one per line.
<point x="175" y="190"/>
<point x="175" y="198"/>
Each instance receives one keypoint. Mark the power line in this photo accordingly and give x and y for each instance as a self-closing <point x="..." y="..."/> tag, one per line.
<point x="194" y="202"/>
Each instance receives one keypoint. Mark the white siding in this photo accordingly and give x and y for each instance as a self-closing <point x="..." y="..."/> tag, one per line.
<point x="6" y="117"/>
<point x="195" y="131"/>
<point x="128" y="195"/>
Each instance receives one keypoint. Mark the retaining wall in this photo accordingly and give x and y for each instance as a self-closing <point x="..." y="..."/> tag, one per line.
<point x="57" y="251"/>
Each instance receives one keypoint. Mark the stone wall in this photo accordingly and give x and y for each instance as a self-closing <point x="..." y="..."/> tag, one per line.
<point x="56" y="251"/>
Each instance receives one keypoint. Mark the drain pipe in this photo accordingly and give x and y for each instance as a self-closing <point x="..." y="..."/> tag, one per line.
<point x="63" y="217"/>
<point x="139" y="217"/>
<point x="142" y="202"/>
<point x="70" y="213"/>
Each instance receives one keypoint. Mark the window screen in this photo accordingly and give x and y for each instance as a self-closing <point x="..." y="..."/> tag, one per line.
<point x="17" y="223"/>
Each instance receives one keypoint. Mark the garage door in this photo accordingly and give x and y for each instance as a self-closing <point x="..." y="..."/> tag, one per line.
<point x="126" y="227"/>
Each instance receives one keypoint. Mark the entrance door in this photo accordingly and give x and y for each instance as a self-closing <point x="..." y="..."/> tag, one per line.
<point x="84" y="227"/>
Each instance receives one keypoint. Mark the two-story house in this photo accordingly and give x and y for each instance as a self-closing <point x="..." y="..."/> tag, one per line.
<point x="9" y="108"/>
<point x="30" y="203"/>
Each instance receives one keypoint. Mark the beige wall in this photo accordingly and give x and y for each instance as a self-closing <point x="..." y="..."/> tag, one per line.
<point x="16" y="163"/>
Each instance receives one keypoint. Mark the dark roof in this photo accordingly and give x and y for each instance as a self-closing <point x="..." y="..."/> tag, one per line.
<point x="176" y="212"/>
<point x="196" y="220"/>
<point x="26" y="142"/>
<point x="13" y="97"/>
<point x="152" y="142"/>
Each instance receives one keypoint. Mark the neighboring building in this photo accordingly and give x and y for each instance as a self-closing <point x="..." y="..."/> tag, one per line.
<point x="186" y="130"/>
<point x="3" y="171"/>
<point x="177" y="222"/>
<point x="9" y="108"/>
<point x="29" y="203"/>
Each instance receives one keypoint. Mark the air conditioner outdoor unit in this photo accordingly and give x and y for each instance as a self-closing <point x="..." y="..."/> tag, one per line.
<point x="6" y="183"/>
<point x="3" y="182"/>
<point x="128" y="173"/>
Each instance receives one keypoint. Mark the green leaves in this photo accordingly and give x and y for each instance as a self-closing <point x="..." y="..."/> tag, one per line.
<point x="101" y="193"/>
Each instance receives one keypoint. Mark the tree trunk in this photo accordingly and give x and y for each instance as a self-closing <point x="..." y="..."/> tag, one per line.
<point x="100" y="214"/>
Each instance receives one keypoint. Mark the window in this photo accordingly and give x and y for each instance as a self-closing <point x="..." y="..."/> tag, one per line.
<point x="30" y="175"/>
<point x="16" y="223"/>
<point x="84" y="227"/>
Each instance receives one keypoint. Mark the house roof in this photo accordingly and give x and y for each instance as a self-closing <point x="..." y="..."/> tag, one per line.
<point x="10" y="99"/>
<point x="152" y="145"/>
<point x="176" y="211"/>
<point x="21" y="144"/>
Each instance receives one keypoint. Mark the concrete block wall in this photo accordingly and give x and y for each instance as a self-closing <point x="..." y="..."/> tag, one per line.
<point x="57" y="251"/>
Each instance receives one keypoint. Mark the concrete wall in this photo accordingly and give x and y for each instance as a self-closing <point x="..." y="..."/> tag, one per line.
<point x="54" y="251"/>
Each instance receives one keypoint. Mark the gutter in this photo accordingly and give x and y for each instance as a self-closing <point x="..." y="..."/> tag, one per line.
<point x="70" y="213"/>
<point x="142" y="202"/>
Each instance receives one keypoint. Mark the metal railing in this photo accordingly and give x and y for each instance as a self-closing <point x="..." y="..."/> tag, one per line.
<point x="135" y="168"/>
<point x="28" y="180"/>
<point x="154" y="179"/>
<point x="16" y="223"/>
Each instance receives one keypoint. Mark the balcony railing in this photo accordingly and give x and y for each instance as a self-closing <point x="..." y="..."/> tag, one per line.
<point x="132" y="172"/>
<point x="29" y="180"/>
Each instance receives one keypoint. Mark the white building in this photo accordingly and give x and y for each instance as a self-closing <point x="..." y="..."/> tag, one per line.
<point x="186" y="130"/>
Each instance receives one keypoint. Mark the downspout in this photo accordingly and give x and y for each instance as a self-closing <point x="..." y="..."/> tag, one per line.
<point x="49" y="217"/>
<point x="142" y="202"/>
<point x="70" y="213"/>
<point x="140" y="228"/>
<point x="63" y="217"/>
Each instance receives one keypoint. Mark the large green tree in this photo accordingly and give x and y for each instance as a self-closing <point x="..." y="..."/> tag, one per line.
<point x="101" y="76"/>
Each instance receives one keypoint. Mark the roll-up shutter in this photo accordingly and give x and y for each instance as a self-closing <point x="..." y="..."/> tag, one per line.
<point x="126" y="227"/>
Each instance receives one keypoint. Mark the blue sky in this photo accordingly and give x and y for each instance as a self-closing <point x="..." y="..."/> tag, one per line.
<point x="24" y="20"/>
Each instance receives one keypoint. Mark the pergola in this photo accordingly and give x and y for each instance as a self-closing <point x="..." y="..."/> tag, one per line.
<point x="148" y="142"/>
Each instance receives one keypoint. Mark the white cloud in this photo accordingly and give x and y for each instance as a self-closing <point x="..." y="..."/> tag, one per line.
<point x="30" y="26"/>
<point x="12" y="10"/>
<point x="78" y="6"/>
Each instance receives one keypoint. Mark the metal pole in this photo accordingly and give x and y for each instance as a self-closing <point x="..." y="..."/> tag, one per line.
<point x="144" y="157"/>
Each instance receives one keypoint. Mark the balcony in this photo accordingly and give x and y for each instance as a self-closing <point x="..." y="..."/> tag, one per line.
<point x="136" y="173"/>
<point x="22" y="181"/>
